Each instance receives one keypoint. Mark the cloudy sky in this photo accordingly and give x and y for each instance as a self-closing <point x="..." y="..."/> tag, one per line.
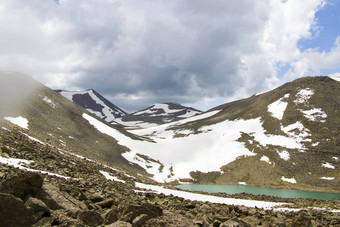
<point x="196" y="52"/>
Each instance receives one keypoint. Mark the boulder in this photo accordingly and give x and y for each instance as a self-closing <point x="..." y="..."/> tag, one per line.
<point x="27" y="183"/>
<point x="38" y="207"/>
<point x="56" y="199"/>
<point x="139" y="214"/>
<point x="90" y="217"/>
<point x="13" y="211"/>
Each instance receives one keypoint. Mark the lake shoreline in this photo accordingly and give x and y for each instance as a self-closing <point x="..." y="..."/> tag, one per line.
<point x="260" y="193"/>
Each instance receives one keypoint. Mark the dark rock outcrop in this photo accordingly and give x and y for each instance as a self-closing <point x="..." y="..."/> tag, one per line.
<point x="21" y="185"/>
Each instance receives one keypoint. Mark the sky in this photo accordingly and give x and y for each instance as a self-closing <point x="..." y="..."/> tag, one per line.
<point x="194" y="52"/>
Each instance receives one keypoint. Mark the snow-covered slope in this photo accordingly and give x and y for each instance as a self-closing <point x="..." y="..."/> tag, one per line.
<point x="95" y="104"/>
<point x="288" y="133"/>
<point x="156" y="114"/>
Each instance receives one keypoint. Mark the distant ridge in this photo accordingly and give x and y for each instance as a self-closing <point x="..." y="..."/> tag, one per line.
<point x="158" y="113"/>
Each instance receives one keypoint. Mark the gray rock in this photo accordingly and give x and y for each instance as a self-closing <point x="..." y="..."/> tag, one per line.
<point x="13" y="211"/>
<point x="56" y="199"/>
<point x="38" y="207"/>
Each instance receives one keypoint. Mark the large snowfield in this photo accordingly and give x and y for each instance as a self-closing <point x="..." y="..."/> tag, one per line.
<point x="214" y="147"/>
<point x="175" y="153"/>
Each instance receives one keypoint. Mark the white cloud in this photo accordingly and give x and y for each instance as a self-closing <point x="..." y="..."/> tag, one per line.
<point x="185" y="51"/>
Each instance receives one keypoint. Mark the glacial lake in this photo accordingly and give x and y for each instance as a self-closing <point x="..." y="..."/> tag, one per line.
<point x="283" y="193"/>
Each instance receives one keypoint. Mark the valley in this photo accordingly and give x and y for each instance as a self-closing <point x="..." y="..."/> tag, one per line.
<point x="285" y="138"/>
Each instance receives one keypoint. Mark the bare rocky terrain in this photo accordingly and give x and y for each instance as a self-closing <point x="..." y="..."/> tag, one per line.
<point x="87" y="198"/>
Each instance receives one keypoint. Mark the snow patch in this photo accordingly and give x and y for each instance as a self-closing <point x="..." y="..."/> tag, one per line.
<point x="297" y="131"/>
<point x="315" y="144"/>
<point x="189" y="113"/>
<point x="265" y="159"/>
<point x="315" y="114"/>
<point x="159" y="106"/>
<point x="134" y="124"/>
<point x="49" y="101"/>
<point x="278" y="107"/>
<point x="208" y="198"/>
<point x="335" y="76"/>
<point x="109" y="177"/>
<point x="290" y="180"/>
<point x="19" y="121"/>
<point x="327" y="178"/>
<point x="18" y="163"/>
<point x="303" y="96"/>
<point x="5" y="129"/>
<point x="242" y="183"/>
<point x="284" y="155"/>
<point x="32" y="138"/>
<point x="336" y="158"/>
<point x="328" y="165"/>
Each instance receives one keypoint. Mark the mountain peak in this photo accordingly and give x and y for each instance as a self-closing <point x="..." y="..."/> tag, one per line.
<point x="96" y="104"/>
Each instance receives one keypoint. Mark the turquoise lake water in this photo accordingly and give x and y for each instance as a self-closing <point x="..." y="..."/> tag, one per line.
<point x="233" y="189"/>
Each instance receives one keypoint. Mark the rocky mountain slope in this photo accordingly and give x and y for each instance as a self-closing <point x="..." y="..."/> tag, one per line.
<point x="56" y="120"/>
<point x="43" y="185"/>
<point x="96" y="104"/>
<point x="61" y="166"/>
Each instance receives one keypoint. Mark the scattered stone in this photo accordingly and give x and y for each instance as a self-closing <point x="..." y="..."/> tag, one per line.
<point x="96" y="197"/>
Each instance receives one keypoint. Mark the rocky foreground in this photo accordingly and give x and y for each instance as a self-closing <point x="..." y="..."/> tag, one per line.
<point x="69" y="190"/>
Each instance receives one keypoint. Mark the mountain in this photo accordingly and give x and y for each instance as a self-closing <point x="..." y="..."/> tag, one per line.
<point x="61" y="166"/>
<point x="96" y="104"/>
<point x="156" y="114"/>
<point x="285" y="138"/>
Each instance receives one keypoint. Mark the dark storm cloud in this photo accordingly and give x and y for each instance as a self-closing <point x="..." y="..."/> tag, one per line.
<point x="141" y="52"/>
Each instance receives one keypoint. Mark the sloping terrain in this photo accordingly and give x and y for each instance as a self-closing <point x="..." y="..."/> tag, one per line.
<point x="157" y="114"/>
<point x="96" y="104"/>
<point x="285" y="138"/>
<point x="52" y="118"/>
